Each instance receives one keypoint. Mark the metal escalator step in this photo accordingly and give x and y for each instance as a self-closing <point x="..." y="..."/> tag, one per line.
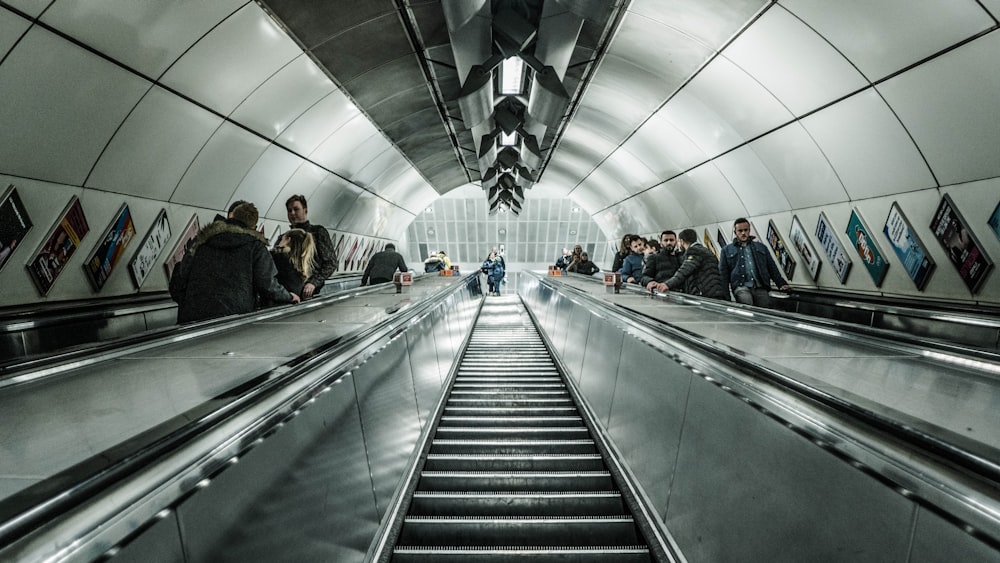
<point x="448" y="421"/>
<point x="512" y="446"/>
<point x="520" y="530"/>
<point x="515" y="481"/>
<point x="514" y="462"/>
<point x="505" y="554"/>
<point x="507" y="432"/>
<point x="498" y="401"/>
<point x="520" y="503"/>
<point x="510" y="411"/>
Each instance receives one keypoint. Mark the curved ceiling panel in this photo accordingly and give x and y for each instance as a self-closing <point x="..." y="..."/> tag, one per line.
<point x="231" y="61"/>
<point x="793" y="159"/>
<point x="318" y="123"/>
<point x="332" y="200"/>
<point x="604" y="186"/>
<point x="304" y="181"/>
<point x="711" y="22"/>
<point x="271" y="170"/>
<point x="706" y="195"/>
<point x="615" y="122"/>
<point x="354" y="145"/>
<point x="663" y="148"/>
<point x="883" y="37"/>
<point x="699" y="122"/>
<point x="286" y="95"/>
<point x="665" y="207"/>
<point x="869" y="149"/>
<point x="12" y="27"/>
<point x="642" y="42"/>
<point x="752" y="181"/>
<point x="793" y="62"/>
<point x="630" y="171"/>
<point x="949" y="107"/>
<point x="60" y="107"/>
<point x="368" y="175"/>
<point x="145" y="36"/>
<point x="138" y="163"/>
<point x="412" y="192"/>
<point x="221" y="164"/>
<point x="736" y="99"/>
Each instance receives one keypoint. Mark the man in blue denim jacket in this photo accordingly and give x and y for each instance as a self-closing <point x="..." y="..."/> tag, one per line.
<point x="749" y="267"/>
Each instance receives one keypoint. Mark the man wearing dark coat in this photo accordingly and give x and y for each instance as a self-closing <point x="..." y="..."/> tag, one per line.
<point x="383" y="265"/>
<point x="326" y="255"/>
<point x="664" y="264"/>
<point x="747" y="266"/>
<point x="225" y="271"/>
<point x="699" y="270"/>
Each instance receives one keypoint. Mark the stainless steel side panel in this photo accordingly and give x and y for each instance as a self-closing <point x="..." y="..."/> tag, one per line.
<point x="389" y="419"/>
<point x="747" y="488"/>
<point x="424" y="366"/>
<point x="160" y="543"/>
<point x="936" y="540"/>
<point x="601" y="358"/>
<point x="647" y="416"/>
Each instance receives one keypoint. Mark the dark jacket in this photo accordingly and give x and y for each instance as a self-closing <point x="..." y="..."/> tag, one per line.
<point x="326" y="255"/>
<point x="616" y="265"/>
<point x="382" y="266"/>
<point x="587" y="268"/>
<point x="224" y="273"/>
<point x="494" y="269"/>
<point x="289" y="278"/>
<point x="699" y="274"/>
<point x="660" y="266"/>
<point x="733" y="266"/>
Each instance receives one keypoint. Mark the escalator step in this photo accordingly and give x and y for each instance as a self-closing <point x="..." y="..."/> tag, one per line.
<point x="515" y="481"/>
<point x="470" y="554"/>
<point x="521" y="503"/>
<point x="491" y="462"/>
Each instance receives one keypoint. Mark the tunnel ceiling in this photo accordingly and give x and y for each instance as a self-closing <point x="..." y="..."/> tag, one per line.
<point x="427" y="74"/>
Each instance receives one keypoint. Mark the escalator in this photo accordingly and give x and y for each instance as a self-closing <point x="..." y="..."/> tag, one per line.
<point x="513" y="472"/>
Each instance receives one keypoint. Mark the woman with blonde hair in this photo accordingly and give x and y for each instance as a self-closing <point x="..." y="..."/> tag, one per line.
<point x="293" y="256"/>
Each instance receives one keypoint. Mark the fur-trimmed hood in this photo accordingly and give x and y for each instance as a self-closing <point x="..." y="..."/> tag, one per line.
<point x="225" y="234"/>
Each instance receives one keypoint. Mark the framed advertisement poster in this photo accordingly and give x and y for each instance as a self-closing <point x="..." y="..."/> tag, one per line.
<point x="994" y="221"/>
<point x="964" y="250"/>
<point x="177" y="253"/>
<point x="14" y="223"/>
<point x="801" y="243"/>
<point x="149" y="251"/>
<point x="907" y="246"/>
<point x="781" y="254"/>
<point x="109" y="252"/>
<point x="56" y="250"/>
<point x="831" y="246"/>
<point x="709" y="243"/>
<point x="274" y="237"/>
<point x="864" y="243"/>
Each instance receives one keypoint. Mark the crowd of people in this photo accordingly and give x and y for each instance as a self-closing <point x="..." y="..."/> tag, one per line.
<point x="228" y="269"/>
<point x="744" y="270"/>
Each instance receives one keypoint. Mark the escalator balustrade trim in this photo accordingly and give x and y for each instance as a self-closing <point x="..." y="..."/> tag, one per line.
<point x="512" y="471"/>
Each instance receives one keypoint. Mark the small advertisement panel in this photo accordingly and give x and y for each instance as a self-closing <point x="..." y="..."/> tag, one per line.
<point x="781" y="254"/>
<point x="721" y="237"/>
<point x="56" y="250"/>
<point x="907" y="246"/>
<point x="111" y="249"/>
<point x="864" y="243"/>
<point x="177" y="253"/>
<point x="964" y="250"/>
<point x="801" y="243"/>
<point x="14" y="224"/>
<point x="149" y="251"/>
<point x="831" y="246"/>
<point x="710" y="244"/>
<point x="995" y="221"/>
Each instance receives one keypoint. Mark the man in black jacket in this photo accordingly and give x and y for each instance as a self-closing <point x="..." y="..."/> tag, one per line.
<point x="699" y="271"/>
<point x="584" y="266"/>
<point x="225" y="271"/>
<point x="326" y="255"/>
<point x="660" y="266"/>
<point x="383" y="265"/>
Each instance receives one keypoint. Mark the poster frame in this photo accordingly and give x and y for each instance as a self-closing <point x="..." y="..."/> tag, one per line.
<point x="99" y="271"/>
<point x="19" y="226"/>
<point x="707" y="240"/>
<point x="782" y="256"/>
<point x="970" y="259"/>
<point x="177" y="252"/>
<point x="832" y="247"/>
<point x="804" y="246"/>
<point x="150" y="248"/>
<point x="72" y="213"/>
<point x="864" y="244"/>
<point x="994" y="221"/>
<point x="917" y="262"/>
